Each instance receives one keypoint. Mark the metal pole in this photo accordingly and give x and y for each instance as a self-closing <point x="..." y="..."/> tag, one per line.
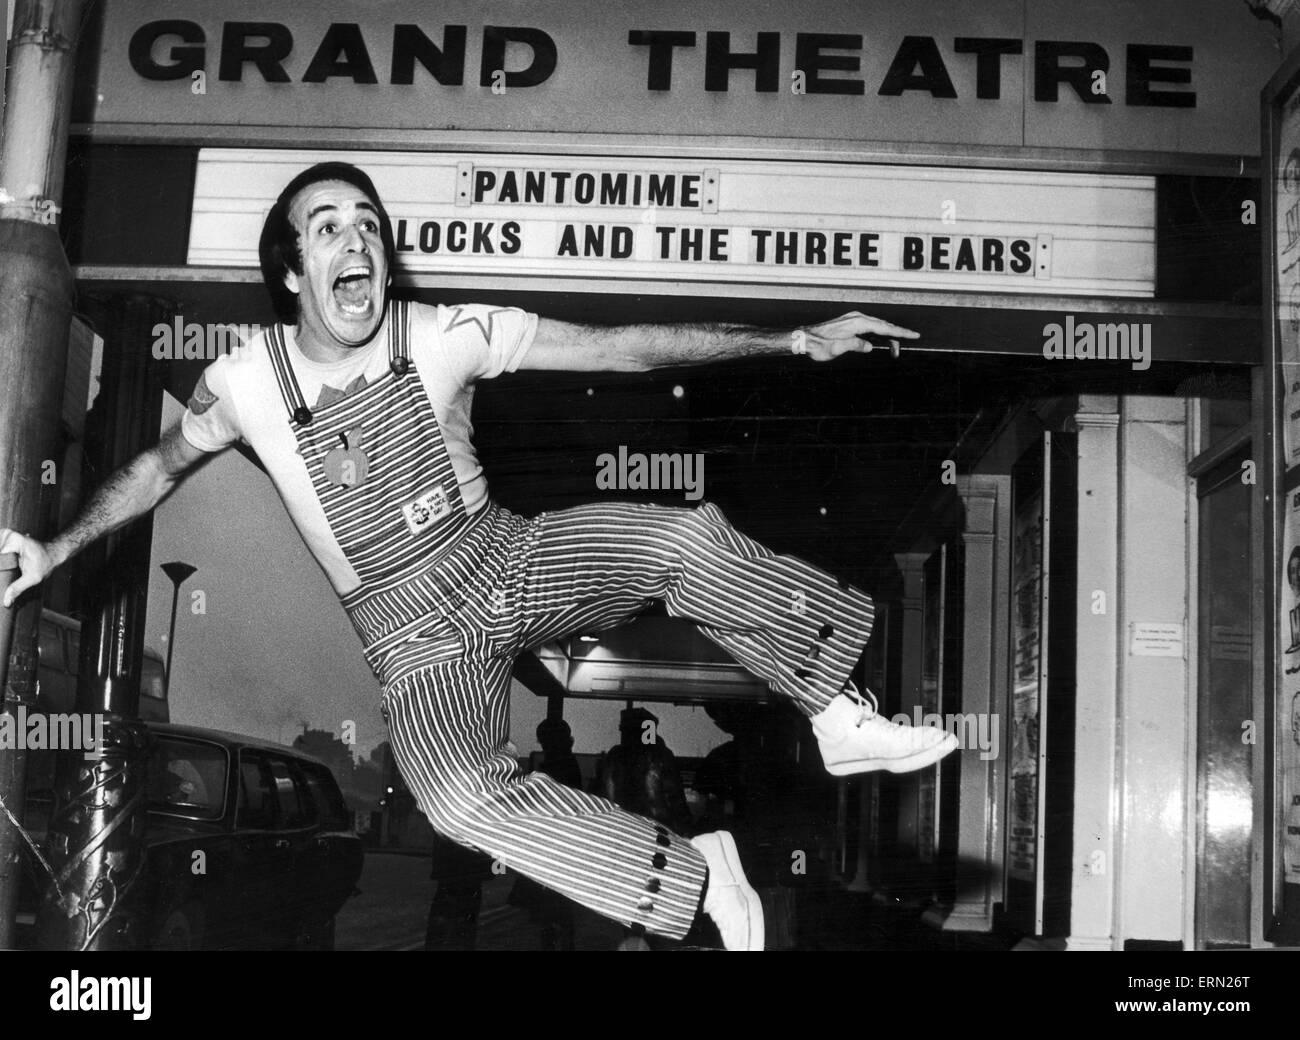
<point x="39" y="104"/>
<point x="35" y="317"/>
<point x="178" y="573"/>
<point x="171" y="633"/>
<point x="13" y="772"/>
<point x="97" y="832"/>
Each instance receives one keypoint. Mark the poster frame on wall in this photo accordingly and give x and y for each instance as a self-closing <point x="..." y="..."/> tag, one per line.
<point x="1279" y="903"/>
<point x="1038" y="896"/>
<point x="1032" y="496"/>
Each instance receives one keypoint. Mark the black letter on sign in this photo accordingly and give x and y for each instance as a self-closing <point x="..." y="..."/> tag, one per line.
<point x="719" y="61"/>
<point x="236" y="50"/>
<point x="185" y="61"/>
<point x="988" y="53"/>
<point x="1049" y="74"/>
<point x="661" y="44"/>
<point x="341" y="53"/>
<point x="539" y="69"/>
<point x="410" y="45"/>
<point x="809" y="59"/>
<point x="913" y="51"/>
<point x="1139" y="75"/>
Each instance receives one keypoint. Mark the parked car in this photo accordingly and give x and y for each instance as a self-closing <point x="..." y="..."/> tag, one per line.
<point x="249" y="844"/>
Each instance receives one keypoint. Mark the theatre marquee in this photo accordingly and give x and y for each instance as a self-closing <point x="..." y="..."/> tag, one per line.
<point x="681" y="220"/>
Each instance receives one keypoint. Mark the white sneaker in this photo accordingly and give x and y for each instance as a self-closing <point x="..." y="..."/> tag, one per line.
<point x="855" y="739"/>
<point x="730" y="901"/>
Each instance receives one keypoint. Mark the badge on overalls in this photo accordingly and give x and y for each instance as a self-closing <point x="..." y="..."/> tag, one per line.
<point x="349" y="465"/>
<point x="423" y="511"/>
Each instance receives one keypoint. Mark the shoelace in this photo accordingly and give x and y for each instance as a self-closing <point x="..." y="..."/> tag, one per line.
<point x="865" y="711"/>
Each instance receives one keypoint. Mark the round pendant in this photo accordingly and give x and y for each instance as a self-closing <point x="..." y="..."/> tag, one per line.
<point x="349" y="465"/>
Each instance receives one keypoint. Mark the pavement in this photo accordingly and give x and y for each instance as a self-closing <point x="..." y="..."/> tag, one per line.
<point x="392" y="910"/>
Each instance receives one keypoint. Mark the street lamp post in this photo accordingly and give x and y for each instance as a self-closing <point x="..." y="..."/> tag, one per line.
<point x="36" y="298"/>
<point x="178" y="573"/>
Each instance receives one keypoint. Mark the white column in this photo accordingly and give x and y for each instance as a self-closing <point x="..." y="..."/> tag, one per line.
<point x="1156" y="761"/>
<point x="1092" y="889"/>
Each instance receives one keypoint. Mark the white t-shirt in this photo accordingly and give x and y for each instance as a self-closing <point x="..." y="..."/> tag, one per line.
<point x="238" y="398"/>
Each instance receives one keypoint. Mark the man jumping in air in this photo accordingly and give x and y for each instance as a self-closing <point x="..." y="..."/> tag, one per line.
<point x="359" y="405"/>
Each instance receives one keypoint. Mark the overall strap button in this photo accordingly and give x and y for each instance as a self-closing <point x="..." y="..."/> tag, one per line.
<point x="400" y="365"/>
<point x="302" y="415"/>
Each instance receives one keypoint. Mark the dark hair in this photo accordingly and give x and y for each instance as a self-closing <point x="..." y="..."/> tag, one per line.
<point x="633" y="720"/>
<point x="278" y="248"/>
<point x="551" y="731"/>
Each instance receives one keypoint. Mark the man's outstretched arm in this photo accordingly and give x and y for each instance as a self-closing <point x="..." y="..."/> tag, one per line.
<point x="128" y="493"/>
<point x="565" y="346"/>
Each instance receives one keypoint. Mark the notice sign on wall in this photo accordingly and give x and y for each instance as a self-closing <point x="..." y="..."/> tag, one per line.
<point x="802" y="223"/>
<point x="1155" y="639"/>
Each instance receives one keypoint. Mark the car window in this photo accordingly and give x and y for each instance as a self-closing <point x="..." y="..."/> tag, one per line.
<point x="50" y="646"/>
<point x="295" y="807"/>
<point x="187" y="778"/>
<point x="329" y="801"/>
<point x="152" y="682"/>
<point x="74" y="650"/>
<point x="257" y="805"/>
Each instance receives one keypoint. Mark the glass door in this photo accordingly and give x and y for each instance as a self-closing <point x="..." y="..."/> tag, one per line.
<point x="1224" y="703"/>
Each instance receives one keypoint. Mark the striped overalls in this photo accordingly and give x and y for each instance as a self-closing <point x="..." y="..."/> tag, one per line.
<point x="447" y="601"/>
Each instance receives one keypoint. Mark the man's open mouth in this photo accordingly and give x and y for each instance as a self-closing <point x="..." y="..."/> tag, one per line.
<point x="352" y="290"/>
